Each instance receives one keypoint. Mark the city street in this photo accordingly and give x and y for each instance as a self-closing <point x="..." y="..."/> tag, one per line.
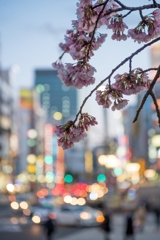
<point x="20" y="228"/>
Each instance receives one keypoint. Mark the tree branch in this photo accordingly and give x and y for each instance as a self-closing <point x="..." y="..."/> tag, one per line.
<point x="156" y="105"/>
<point x="149" y="92"/>
<point x="113" y="70"/>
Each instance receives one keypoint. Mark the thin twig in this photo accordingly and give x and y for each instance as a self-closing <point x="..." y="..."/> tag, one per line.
<point x="127" y="14"/>
<point x="113" y="70"/>
<point x="130" y="66"/>
<point x="93" y="33"/>
<point x="156" y="105"/>
<point x="147" y="94"/>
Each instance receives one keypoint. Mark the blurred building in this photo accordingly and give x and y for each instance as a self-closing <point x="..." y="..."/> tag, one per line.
<point x="6" y="117"/>
<point x="31" y="121"/>
<point x="144" y="134"/>
<point x="59" y="101"/>
<point x="60" y="104"/>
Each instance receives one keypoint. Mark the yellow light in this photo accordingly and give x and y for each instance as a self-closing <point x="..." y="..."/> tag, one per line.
<point x="85" y="215"/>
<point x="31" y="158"/>
<point x="22" y="177"/>
<point x="112" y="161"/>
<point x="149" y="173"/>
<point x="88" y="162"/>
<point x="14" y="205"/>
<point x="10" y="187"/>
<point x="57" y="115"/>
<point x="155" y="140"/>
<point x="102" y="159"/>
<point x="24" y="205"/>
<point x="132" y="167"/>
<point x="36" y="219"/>
<point x="81" y="201"/>
<point x="31" y="168"/>
<point x="100" y="193"/>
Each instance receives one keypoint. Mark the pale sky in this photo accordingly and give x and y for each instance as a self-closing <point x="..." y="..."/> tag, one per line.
<point x="31" y="30"/>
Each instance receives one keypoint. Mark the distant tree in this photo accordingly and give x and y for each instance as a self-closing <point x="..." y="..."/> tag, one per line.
<point x="84" y="38"/>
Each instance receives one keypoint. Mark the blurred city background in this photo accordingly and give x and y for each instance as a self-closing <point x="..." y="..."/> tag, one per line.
<point x="116" y="167"/>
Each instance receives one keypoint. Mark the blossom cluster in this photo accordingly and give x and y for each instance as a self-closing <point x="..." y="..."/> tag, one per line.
<point x="82" y="40"/>
<point x="125" y="84"/>
<point x="70" y="133"/>
<point x="147" y="29"/>
<point x="78" y="75"/>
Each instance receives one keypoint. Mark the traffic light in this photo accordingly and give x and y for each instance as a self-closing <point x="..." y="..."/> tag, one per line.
<point x="68" y="178"/>
<point x="101" y="177"/>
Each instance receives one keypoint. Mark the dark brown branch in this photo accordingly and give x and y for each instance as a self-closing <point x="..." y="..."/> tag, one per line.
<point x="93" y="33"/>
<point x="99" y="5"/>
<point x="149" y="69"/>
<point x="130" y="66"/>
<point x="127" y="14"/>
<point x="132" y="9"/>
<point x="156" y="106"/>
<point x="113" y="70"/>
<point x="147" y="94"/>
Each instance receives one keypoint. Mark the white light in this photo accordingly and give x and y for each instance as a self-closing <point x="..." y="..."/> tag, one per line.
<point x="14" y="205"/>
<point x="10" y="187"/>
<point x="93" y="196"/>
<point x="85" y="215"/>
<point x="132" y="167"/>
<point x="36" y="219"/>
<point x="68" y="199"/>
<point x="24" y="205"/>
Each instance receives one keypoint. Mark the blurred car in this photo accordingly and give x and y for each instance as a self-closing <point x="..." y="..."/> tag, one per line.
<point x="78" y="216"/>
<point x="42" y="212"/>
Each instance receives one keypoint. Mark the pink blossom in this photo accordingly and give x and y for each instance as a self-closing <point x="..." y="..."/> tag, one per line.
<point x="147" y="29"/>
<point x="75" y="75"/>
<point x="118" y="26"/>
<point x="104" y="98"/>
<point x="132" y="83"/>
<point x="70" y="133"/>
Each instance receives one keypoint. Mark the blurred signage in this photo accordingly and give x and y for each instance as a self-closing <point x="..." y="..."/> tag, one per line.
<point x="26" y="99"/>
<point x="142" y="164"/>
<point x="155" y="53"/>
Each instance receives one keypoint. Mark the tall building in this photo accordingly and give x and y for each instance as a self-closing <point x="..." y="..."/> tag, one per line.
<point x="6" y="117"/>
<point x="59" y="101"/>
<point x="31" y="137"/>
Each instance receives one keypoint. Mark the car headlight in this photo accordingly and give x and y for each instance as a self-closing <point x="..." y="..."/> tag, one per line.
<point x="36" y="219"/>
<point x="85" y="215"/>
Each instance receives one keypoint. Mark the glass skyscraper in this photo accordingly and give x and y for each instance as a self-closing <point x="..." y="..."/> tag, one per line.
<point x="59" y="101"/>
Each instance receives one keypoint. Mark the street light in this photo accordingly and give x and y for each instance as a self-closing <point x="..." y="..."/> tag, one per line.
<point x="109" y="161"/>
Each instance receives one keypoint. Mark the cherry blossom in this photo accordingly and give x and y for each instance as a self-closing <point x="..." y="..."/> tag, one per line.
<point x="118" y="26"/>
<point x="109" y="95"/>
<point x="76" y="75"/>
<point x="84" y="39"/>
<point x="70" y="133"/>
<point x="133" y="82"/>
<point x="147" y="29"/>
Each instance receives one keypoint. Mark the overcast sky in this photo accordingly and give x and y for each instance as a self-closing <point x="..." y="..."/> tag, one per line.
<point x="31" y="30"/>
